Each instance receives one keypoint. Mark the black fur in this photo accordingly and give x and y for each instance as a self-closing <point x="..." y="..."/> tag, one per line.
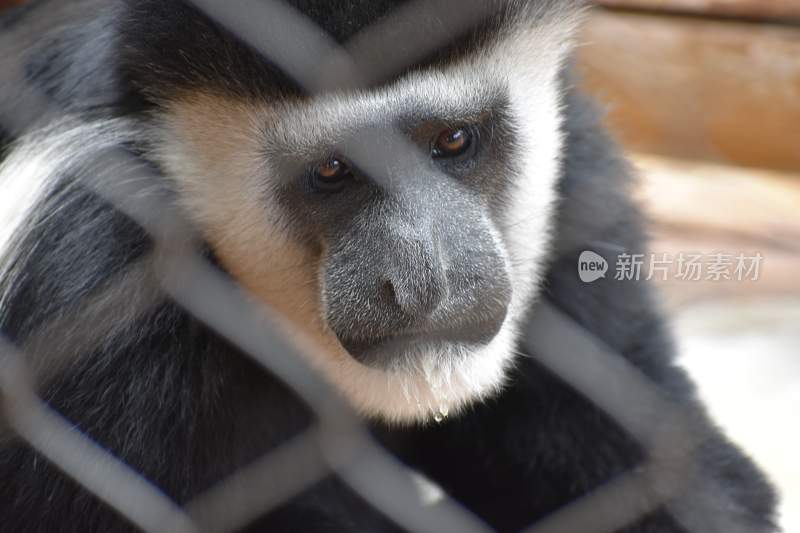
<point x="195" y="51"/>
<point x="182" y="406"/>
<point x="5" y="143"/>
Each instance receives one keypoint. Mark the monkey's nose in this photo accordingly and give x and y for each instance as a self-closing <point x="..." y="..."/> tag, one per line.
<point x="405" y="291"/>
<point x="416" y="284"/>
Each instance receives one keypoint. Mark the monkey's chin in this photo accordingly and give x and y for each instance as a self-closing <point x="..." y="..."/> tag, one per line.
<point x="428" y="383"/>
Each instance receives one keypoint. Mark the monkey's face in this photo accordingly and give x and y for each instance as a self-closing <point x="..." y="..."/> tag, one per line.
<point x="404" y="228"/>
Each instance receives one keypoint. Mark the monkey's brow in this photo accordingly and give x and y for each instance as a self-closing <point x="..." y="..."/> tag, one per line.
<point x="316" y="126"/>
<point x="472" y="111"/>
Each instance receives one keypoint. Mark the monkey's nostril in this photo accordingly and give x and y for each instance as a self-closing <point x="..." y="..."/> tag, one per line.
<point x="417" y="296"/>
<point x="388" y="292"/>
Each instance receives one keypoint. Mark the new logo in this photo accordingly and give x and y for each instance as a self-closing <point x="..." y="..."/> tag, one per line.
<point x="591" y="267"/>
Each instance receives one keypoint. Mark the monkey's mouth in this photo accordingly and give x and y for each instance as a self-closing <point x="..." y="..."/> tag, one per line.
<point x="394" y="350"/>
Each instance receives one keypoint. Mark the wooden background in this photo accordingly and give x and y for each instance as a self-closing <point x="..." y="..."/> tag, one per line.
<point x="723" y="90"/>
<point x="740" y="8"/>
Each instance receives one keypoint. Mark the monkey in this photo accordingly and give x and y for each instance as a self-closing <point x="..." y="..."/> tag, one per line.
<point x="415" y="226"/>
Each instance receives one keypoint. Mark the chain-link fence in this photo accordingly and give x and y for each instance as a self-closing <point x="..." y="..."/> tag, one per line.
<point x="338" y="443"/>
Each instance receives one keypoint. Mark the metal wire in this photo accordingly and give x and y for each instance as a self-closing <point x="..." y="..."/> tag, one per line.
<point x="337" y="443"/>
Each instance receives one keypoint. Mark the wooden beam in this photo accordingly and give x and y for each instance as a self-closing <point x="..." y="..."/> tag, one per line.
<point x="735" y="8"/>
<point x="10" y="3"/>
<point x="718" y="90"/>
<point x="707" y="208"/>
<point x="751" y="204"/>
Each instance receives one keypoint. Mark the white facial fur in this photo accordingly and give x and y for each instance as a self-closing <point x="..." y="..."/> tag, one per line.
<point x="213" y="148"/>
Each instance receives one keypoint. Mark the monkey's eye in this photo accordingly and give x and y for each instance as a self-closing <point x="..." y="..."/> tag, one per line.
<point x="453" y="142"/>
<point x="332" y="175"/>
